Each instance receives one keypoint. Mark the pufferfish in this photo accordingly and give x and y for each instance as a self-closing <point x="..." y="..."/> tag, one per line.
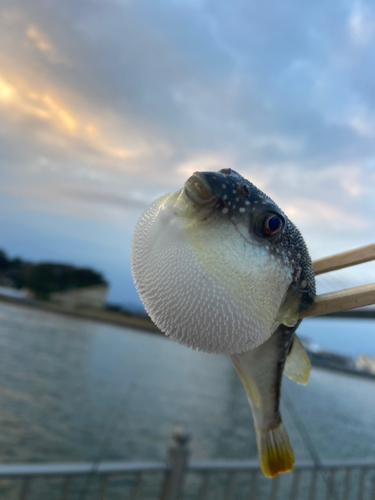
<point x="220" y="268"/>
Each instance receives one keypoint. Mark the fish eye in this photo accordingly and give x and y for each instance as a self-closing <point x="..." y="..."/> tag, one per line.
<point x="269" y="224"/>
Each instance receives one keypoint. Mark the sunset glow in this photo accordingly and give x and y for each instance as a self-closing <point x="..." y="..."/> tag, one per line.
<point x="105" y="107"/>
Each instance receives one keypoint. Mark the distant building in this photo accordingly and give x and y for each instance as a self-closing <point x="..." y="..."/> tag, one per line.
<point x="331" y="360"/>
<point x="89" y="296"/>
<point x="323" y="358"/>
<point x="12" y="292"/>
<point x="366" y="363"/>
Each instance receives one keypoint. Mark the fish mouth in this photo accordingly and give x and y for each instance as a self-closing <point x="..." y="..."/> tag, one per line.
<point x="198" y="190"/>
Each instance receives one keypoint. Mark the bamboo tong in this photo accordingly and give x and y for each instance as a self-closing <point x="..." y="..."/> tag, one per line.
<point x="348" y="298"/>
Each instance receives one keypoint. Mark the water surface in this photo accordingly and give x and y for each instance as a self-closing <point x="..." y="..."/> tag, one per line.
<point x="63" y="379"/>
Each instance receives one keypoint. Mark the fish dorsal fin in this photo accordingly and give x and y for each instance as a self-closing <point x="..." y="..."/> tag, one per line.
<point x="297" y="364"/>
<point x="288" y="313"/>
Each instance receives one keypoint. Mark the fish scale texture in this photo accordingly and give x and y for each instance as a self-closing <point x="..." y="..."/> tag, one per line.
<point x="294" y="246"/>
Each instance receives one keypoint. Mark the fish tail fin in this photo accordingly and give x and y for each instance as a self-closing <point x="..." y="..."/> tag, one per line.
<point x="275" y="452"/>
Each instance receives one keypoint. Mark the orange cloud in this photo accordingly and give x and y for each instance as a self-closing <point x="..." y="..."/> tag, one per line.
<point x="39" y="39"/>
<point x="60" y="114"/>
<point x="7" y="92"/>
<point x="19" y="99"/>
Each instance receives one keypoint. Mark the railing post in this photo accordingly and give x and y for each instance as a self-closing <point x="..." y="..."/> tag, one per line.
<point x="178" y="454"/>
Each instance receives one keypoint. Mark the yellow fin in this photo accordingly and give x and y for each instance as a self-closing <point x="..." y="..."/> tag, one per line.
<point x="288" y="313"/>
<point x="275" y="452"/>
<point x="297" y="364"/>
<point x="248" y="383"/>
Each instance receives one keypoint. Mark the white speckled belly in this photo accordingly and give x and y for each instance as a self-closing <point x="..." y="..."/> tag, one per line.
<point x="206" y="288"/>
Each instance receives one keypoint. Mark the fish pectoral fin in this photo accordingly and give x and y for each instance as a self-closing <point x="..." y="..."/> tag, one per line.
<point x="275" y="452"/>
<point x="297" y="364"/>
<point x="288" y="314"/>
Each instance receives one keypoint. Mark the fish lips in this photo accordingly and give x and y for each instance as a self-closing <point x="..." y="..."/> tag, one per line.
<point x="199" y="191"/>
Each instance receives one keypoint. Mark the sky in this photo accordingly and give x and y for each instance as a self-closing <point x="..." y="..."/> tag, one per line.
<point x="107" y="104"/>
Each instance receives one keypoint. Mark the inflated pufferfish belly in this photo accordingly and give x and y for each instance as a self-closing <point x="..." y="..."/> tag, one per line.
<point x="201" y="282"/>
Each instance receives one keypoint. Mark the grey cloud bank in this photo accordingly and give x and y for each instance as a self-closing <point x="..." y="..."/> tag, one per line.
<point x="106" y="105"/>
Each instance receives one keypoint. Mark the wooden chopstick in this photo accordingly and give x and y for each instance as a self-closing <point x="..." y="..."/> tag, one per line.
<point x="349" y="298"/>
<point x="344" y="259"/>
<point x="342" y="300"/>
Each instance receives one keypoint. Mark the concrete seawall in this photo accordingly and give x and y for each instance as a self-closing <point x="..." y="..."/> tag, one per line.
<point x="101" y="315"/>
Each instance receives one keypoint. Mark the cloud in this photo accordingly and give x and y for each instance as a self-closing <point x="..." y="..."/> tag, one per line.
<point x="329" y="217"/>
<point x="362" y="123"/>
<point x="21" y="102"/>
<point x="44" y="45"/>
<point x="106" y="105"/>
<point x="77" y="203"/>
<point x="361" y="24"/>
<point x="203" y="162"/>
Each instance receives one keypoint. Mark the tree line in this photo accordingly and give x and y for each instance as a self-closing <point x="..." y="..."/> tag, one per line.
<point x="45" y="278"/>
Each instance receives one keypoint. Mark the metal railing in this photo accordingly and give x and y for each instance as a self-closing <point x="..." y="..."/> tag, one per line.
<point x="177" y="478"/>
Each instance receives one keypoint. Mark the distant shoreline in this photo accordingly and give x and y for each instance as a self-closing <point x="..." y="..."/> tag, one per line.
<point x="99" y="315"/>
<point x="134" y="320"/>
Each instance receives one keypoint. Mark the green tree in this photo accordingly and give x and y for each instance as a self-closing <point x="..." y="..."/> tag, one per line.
<point x="47" y="277"/>
<point x="4" y="262"/>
